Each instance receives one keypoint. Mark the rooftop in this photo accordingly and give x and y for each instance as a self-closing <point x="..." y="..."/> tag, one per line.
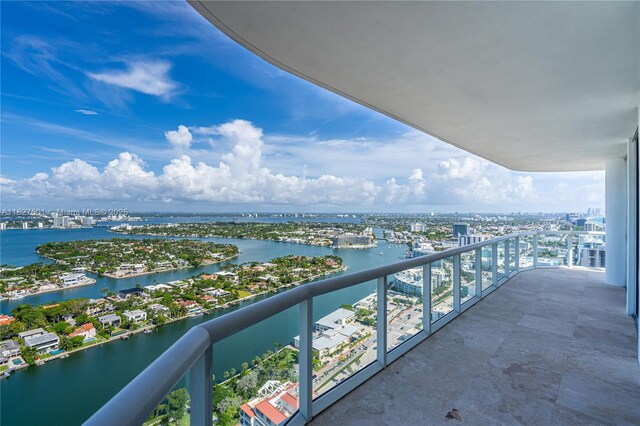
<point x="554" y="345"/>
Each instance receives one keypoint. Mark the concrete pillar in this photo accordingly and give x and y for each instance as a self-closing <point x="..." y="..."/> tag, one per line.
<point x="632" y="232"/>
<point x="616" y="211"/>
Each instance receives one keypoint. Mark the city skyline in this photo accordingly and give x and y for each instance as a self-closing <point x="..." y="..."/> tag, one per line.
<point x="166" y="117"/>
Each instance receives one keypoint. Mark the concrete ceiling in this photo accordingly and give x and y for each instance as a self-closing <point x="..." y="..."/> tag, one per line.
<point x="533" y="86"/>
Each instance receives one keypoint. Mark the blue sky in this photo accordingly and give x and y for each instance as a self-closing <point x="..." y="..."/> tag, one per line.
<point x="152" y="108"/>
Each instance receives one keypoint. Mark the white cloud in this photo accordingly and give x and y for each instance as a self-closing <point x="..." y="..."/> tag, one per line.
<point x="148" y="77"/>
<point x="86" y="112"/>
<point x="181" y="138"/>
<point x="241" y="177"/>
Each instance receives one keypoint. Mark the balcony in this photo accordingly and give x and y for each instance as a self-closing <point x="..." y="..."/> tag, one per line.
<point x="488" y="329"/>
<point x="549" y="347"/>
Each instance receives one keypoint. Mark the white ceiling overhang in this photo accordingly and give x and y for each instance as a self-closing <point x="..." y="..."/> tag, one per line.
<point x="533" y="86"/>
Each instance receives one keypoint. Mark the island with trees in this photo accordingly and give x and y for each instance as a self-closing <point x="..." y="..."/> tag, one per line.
<point x="311" y="233"/>
<point x="80" y="323"/>
<point x="124" y="258"/>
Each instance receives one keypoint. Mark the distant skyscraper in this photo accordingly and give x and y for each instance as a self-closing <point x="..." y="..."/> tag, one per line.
<point x="460" y="229"/>
<point x="3" y="225"/>
<point x="66" y="221"/>
<point x="417" y="227"/>
<point x="25" y="225"/>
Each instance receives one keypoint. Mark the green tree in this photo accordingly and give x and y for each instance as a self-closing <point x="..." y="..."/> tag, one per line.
<point x="176" y="403"/>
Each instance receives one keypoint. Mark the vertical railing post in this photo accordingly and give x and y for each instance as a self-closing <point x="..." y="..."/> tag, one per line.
<point x="535" y="250"/>
<point x="201" y="390"/>
<point x="516" y="250"/>
<point x="507" y="258"/>
<point x="569" y="250"/>
<point x="305" y="325"/>
<point x="381" y="329"/>
<point x="456" y="283"/>
<point x="494" y="264"/>
<point x="426" y="298"/>
<point x="478" y="272"/>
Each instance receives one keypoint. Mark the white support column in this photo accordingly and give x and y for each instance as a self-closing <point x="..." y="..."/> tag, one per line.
<point x="616" y="215"/>
<point x="570" y="250"/>
<point x="632" y="231"/>
<point x="201" y="390"/>
<point x="517" y="253"/>
<point x="507" y="258"/>
<point x="456" y="283"/>
<point x="426" y="298"/>
<point x="305" y="326"/>
<point x="478" y="273"/>
<point x="381" y="338"/>
<point x="494" y="264"/>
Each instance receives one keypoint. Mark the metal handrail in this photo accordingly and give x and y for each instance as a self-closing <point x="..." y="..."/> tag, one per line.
<point x="192" y="352"/>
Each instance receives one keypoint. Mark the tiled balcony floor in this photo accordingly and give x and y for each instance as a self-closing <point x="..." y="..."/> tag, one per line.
<point x="549" y="347"/>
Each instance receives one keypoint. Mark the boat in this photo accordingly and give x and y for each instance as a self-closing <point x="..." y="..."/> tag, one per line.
<point x="5" y="374"/>
<point x="380" y="253"/>
<point x="147" y="331"/>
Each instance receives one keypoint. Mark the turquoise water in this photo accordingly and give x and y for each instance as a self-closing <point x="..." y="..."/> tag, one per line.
<point x="90" y="377"/>
<point x="56" y="352"/>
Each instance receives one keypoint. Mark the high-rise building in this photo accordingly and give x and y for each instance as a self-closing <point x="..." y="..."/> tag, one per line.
<point x="593" y="257"/>
<point x="460" y="229"/>
<point x="66" y="221"/>
<point x="3" y="225"/>
<point x="25" y="225"/>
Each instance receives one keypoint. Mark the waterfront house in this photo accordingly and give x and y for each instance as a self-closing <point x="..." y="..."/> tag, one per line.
<point x="73" y="279"/>
<point x="9" y="348"/>
<point x="112" y="320"/>
<point x="98" y="307"/>
<point x="6" y="319"/>
<point x="158" y="308"/>
<point x="136" y="315"/>
<point x="157" y="287"/>
<point x="42" y="342"/>
<point x="85" y="330"/>
<point x="191" y="306"/>
<point x="127" y="293"/>
<point x="29" y="333"/>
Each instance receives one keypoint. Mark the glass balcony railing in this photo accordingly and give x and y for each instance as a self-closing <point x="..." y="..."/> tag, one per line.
<point x="347" y="328"/>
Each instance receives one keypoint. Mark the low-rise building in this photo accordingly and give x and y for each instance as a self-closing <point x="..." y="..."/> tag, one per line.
<point x="112" y="320"/>
<point x="9" y="348"/>
<point x="6" y="319"/>
<point x="99" y="307"/>
<point x="85" y="330"/>
<point x="29" y="333"/>
<point x="42" y="342"/>
<point x="136" y="315"/>
<point x="73" y="279"/>
<point x="272" y="410"/>
<point x="158" y="308"/>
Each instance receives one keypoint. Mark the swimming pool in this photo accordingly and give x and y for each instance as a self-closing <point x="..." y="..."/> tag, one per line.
<point x="56" y="352"/>
<point x="16" y="361"/>
<point x="89" y="340"/>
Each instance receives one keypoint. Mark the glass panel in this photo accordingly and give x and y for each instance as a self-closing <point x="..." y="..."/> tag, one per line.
<point x="487" y="263"/>
<point x="345" y="334"/>
<point x="552" y="250"/>
<point x="501" y="260"/>
<point x="512" y="255"/>
<point x="256" y="372"/>
<point x="441" y="288"/>
<point x="174" y="409"/>
<point x="467" y="276"/>
<point x="526" y="252"/>
<point x="404" y="306"/>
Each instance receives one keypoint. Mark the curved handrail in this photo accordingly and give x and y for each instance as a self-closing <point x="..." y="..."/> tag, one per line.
<point x="134" y="403"/>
